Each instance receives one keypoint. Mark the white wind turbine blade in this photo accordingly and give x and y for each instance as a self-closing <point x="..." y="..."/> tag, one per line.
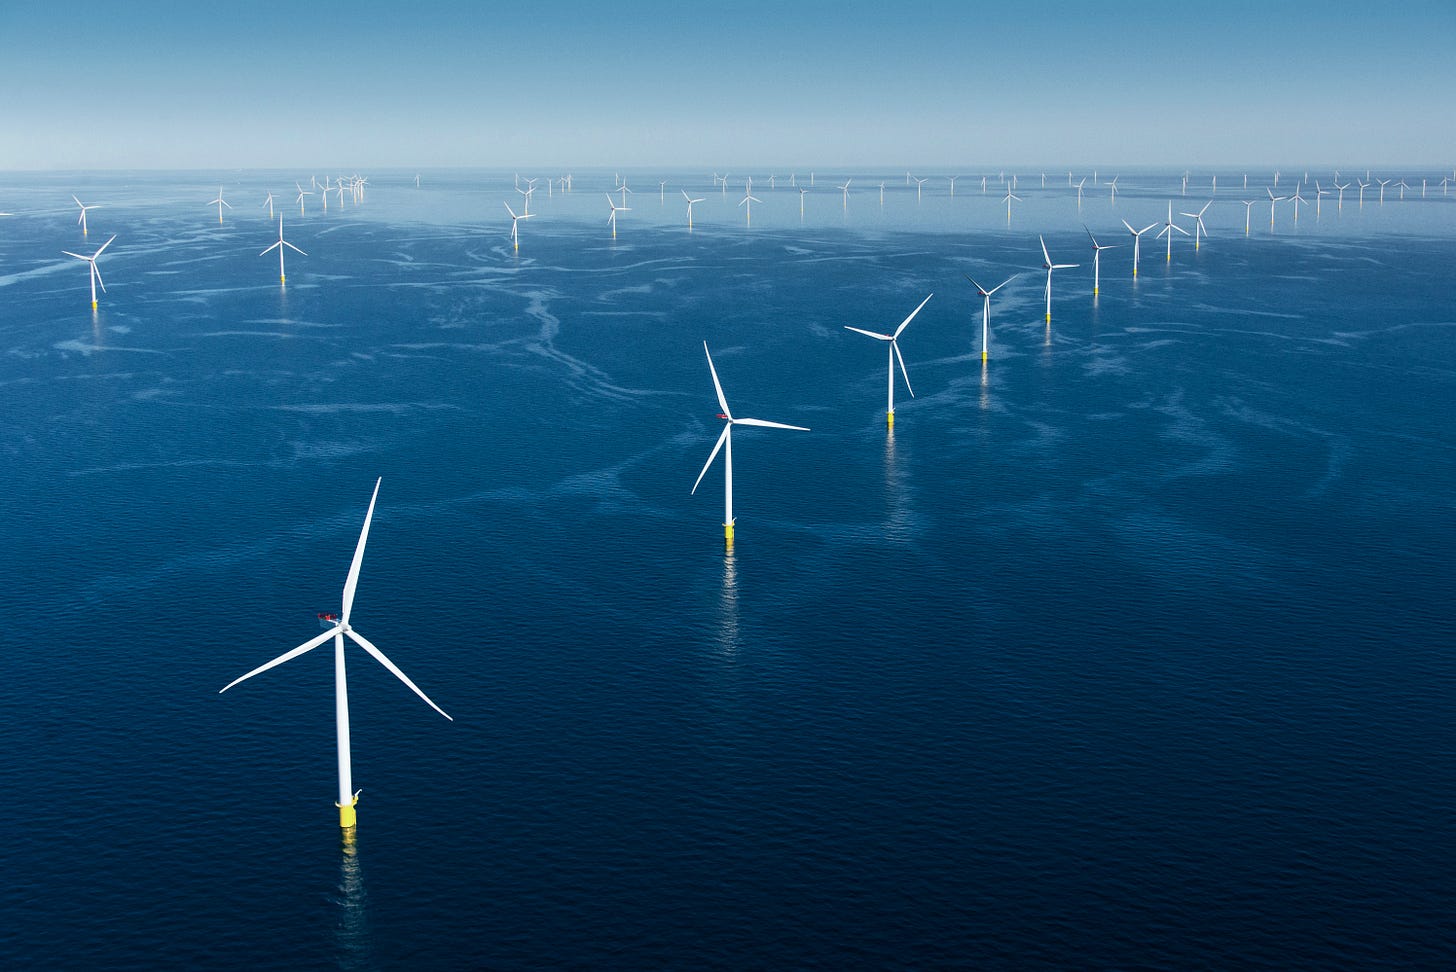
<point x="767" y="425"/>
<point x="102" y="247"/>
<point x="1002" y="284"/>
<point x="307" y="646"/>
<point x="1045" y="255"/>
<point x="394" y="669"/>
<point x="979" y="289"/>
<point x="874" y="334"/>
<point x="907" y="320"/>
<point x="713" y="455"/>
<point x="97" y="270"/>
<point x="293" y="248"/>
<point x="273" y="247"/>
<point x="895" y="347"/>
<point x="509" y="209"/>
<point x="353" y="580"/>
<point x="717" y="386"/>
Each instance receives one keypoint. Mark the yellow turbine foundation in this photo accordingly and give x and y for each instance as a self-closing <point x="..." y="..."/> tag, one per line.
<point x="93" y="305"/>
<point x="728" y="533"/>
<point x="983" y="357"/>
<point x="348" y="820"/>
<point x="890" y="419"/>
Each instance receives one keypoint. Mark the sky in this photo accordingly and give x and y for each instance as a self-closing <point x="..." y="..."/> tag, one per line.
<point x="788" y="85"/>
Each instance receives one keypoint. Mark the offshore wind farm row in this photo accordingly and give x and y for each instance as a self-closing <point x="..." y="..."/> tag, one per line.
<point x="1137" y="198"/>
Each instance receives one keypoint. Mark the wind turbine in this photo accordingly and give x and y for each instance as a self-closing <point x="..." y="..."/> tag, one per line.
<point x="1137" y="238"/>
<point x="691" y="200"/>
<point x="624" y="190"/>
<point x="1113" y="186"/>
<point x="1319" y="193"/>
<point x="845" y="189"/>
<point x="269" y="203"/>
<point x="1199" y="229"/>
<point x="1009" y="196"/>
<point x="1402" y="187"/>
<point x="515" y="220"/>
<point x="919" y="182"/>
<point x="725" y="443"/>
<point x="82" y="219"/>
<point x="612" y="217"/>
<point x="1383" y="184"/>
<point x="1340" y="199"/>
<point x="1363" y="186"/>
<point x="219" y="203"/>
<point x="301" y="193"/>
<point x="1079" y="193"/>
<point x="986" y="309"/>
<point x="1272" y="200"/>
<point x="1168" y="228"/>
<point x="95" y="271"/>
<point x="1296" y="199"/>
<point x="1049" y="266"/>
<point x="348" y="796"/>
<point x="802" y="193"/>
<point x="1097" y="249"/>
<point x="894" y="354"/>
<point x="280" y="245"/>
<point x="1248" y="208"/>
<point x="952" y="185"/>
<point x="748" y="200"/>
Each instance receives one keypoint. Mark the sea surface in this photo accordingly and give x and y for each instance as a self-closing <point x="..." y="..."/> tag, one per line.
<point x="1132" y="648"/>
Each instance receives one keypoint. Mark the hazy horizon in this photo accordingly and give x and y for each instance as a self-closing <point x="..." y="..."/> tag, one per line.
<point x="850" y="85"/>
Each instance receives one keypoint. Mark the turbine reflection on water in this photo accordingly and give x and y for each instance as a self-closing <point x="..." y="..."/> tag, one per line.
<point x="355" y="944"/>
<point x="728" y="636"/>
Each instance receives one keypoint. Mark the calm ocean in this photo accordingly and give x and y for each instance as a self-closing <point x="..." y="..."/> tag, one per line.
<point x="1132" y="649"/>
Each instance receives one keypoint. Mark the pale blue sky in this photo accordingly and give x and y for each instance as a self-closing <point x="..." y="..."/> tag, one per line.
<point x="793" y="85"/>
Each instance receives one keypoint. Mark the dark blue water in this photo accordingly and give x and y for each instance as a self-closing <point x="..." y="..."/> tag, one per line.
<point x="1132" y="649"/>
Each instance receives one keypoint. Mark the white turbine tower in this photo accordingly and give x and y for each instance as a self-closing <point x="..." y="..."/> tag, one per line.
<point x="894" y="355"/>
<point x="95" y="271"/>
<point x="348" y="796"/>
<point x="725" y="443"/>
<point x="280" y="245"/>
<point x="845" y="189"/>
<point x="269" y="203"/>
<point x="986" y="310"/>
<point x="1248" y="208"/>
<point x="301" y="193"/>
<point x="1137" y="237"/>
<point x="1097" y="249"/>
<point x="1049" y="266"/>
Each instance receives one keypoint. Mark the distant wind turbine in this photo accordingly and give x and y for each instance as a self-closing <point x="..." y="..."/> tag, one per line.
<point x="1248" y="208"/>
<point x="1169" y="228"/>
<point x="515" y="222"/>
<point x="1199" y="230"/>
<point x="690" y="200"/>
<point x="748" y="200"/>
<point x="1010" y="196"/>
<point x="269" y="203"/>
<point x="725" y="444"/>
<point x="348" y="796"/>
<point x="894" y="355"/>
<point x="1272" y="200"/>
<point x="1097" y="249"/>
<point x="279" y="246"/>
<point x="82" y="219"/>
<point x="95" y="270"/>
<point x="1137" y="236"/>
<point x="1049" y="266"/>
<point x="612" y="217"/>
<point x="845" y="189"/>
<point x="301" y="193"/>
<point x="219" y="203"/>
<point x="986" y="310"/>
